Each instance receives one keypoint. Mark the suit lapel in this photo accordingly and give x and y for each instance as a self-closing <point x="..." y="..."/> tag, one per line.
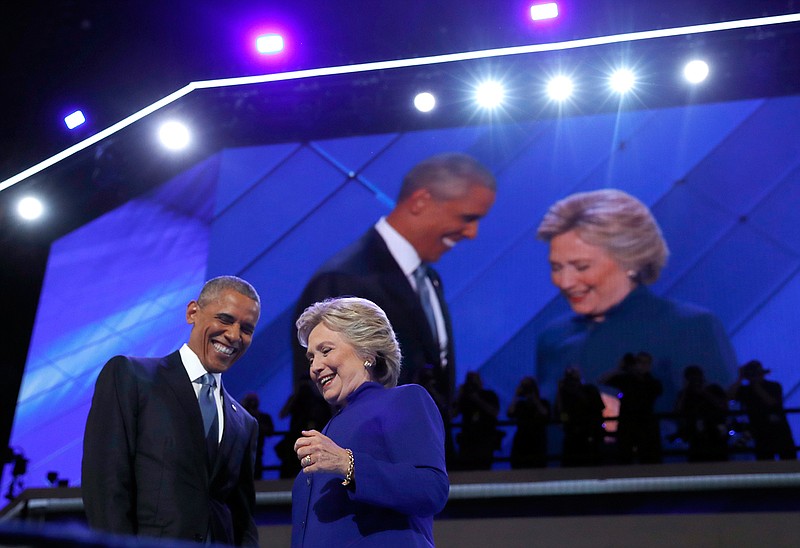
<point x="181" y="386"/>
<point x="234" y="425"/>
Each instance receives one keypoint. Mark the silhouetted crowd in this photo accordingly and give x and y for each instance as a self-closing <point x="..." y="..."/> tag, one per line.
<point x="595" y="427"/>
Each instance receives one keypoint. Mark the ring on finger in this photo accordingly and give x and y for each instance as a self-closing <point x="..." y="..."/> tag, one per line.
<point x="307" y="460"/>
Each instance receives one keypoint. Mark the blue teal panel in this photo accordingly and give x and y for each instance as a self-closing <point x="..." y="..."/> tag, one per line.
<point x="758" y="155"/>
<point x="731" y="279"/>
<point x="484" y="318"/>
<point x="240" y="169"/>
<point x="692" y="225"/>
<point x="777" y="214"/>
<point x="351" y="154"/>
<point x="666" y="146"/>
<point x="262" y="215"/>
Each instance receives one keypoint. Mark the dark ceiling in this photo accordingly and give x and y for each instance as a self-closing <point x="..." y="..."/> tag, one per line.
<point x="112" y="58"/>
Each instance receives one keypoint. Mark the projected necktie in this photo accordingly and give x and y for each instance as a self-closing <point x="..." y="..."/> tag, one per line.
<point x="421" y="276"/>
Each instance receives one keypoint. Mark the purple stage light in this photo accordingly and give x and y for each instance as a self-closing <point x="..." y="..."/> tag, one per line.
<point x="268" y="44"/>
<point x="548" y="10"/>
<point x="75" y="119"/>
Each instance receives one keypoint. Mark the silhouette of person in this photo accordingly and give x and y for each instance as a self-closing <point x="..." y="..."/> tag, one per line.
<point x="266" y="428"/>
<point x="532" y="414"/>
<point x="763" y="401"/>
<point x="307" y="411"/>
<point x="579" y="407"/>
<point x="479" y="437"/>
<point x="702" y="410"/>
<point x="638" y="431"/>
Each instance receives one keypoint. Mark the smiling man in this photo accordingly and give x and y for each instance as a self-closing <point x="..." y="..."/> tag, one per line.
<point x="441" y="202"/>
<point x="167" y="452"/>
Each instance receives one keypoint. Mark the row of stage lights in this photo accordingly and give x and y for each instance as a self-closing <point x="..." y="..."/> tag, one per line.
<point x="176" y="136"/>
<point x="491" y="94"/>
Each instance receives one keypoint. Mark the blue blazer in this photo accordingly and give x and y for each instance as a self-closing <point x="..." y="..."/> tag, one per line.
<point x="397" y="439"/>
<point x="146" y="470"/>
<point x="675" y="334"/>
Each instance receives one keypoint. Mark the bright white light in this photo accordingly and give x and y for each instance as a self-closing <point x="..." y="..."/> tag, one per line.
<point x="559" y="88"/>
<point x="544" y="11"/>
<point x="30" y="208"/>
<point x="425" y="102"/>
<point x="394" y="64"/>
<point x="269" y="43"/>
<point x="622" y="81"/>
<point x="174" y="135"/>
<point x="490" y="94"/>
<point x="75" y="119"/>
<point x="695" y="71"/>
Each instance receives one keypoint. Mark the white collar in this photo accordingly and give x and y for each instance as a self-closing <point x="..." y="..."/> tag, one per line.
<point x="193" y="367"/>
<point x="403" y="252"/>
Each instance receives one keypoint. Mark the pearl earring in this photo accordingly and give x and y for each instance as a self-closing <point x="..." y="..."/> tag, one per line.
<point x="367" y="363"/>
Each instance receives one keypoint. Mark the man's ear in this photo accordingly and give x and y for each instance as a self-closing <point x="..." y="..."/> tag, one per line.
<point x="419" y="200"/>
<point x="191" y="311"/>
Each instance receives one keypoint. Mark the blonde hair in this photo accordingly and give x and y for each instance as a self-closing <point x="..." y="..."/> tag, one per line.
<point x="364" y="325"/>
<point x="615" y="221"/>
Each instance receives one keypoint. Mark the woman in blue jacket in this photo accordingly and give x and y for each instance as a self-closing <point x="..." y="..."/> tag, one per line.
<point x="375" y="475"/>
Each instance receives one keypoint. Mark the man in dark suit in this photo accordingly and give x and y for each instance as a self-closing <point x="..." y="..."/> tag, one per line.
<point x="157" y="460"/>
<point x="441" y="201"/>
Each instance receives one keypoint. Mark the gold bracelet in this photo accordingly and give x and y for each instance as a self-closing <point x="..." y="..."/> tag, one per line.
<point x="351" y="467"/>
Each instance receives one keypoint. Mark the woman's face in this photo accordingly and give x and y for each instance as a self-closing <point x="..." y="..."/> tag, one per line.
<point x="590" y="279"/>
<point x="334" y="366"/>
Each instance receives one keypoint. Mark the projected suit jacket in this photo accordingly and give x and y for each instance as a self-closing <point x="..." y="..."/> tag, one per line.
<point x="146" y="469"/>
<point x="367" y="269"/>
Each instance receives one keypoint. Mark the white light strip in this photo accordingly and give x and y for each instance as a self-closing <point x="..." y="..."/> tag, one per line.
<point x="399" y="63"/>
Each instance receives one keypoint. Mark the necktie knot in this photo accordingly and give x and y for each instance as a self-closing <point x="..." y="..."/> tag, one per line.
<point x="208" y="380"/>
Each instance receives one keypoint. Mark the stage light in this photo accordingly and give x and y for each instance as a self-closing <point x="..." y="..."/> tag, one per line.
<point x="490" y="94"/>
<point x="622" y="80"/>
<point x="30" y="208"/>
<point x="559" y="88"/>
<point x="544" y="11"/>
<point x="695" y="71"/>
<point x="75" y="119"/>
<point x="424" y="102"/>
<point x="174" y="135"/>
<point x="268" y="44"/>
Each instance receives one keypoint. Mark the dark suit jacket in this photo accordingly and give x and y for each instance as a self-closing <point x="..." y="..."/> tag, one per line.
<point x="146" y="469"/>
<point x="367" y="269"/>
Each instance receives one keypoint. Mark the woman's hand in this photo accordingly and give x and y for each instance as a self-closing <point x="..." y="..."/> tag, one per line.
<point x="318" y="453"/>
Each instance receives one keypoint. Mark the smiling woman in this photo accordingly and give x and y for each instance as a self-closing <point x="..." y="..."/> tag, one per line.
<point x="377" y="469"/>
<point x="605" y="248"/>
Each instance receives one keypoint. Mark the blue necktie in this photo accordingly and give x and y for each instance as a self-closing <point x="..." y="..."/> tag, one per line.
<point x="421" y="276"/>
<point x="208" y="407"/>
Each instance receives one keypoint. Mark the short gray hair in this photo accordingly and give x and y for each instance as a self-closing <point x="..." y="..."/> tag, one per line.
<point x="364" y="325"/>
<point x="615" y="221"/>
<point x="446" y="176"/>
<point x="215" y="286"/>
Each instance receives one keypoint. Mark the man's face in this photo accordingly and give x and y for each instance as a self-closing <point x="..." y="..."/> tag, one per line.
<point x="222" y="329"/>
<point x="444" y="223"/>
